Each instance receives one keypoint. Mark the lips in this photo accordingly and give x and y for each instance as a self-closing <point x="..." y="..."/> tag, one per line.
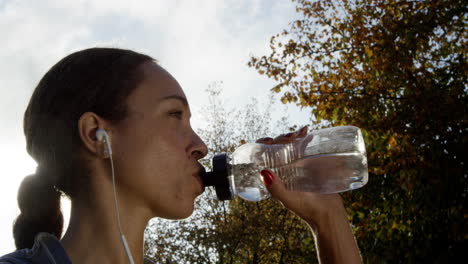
<point x="198" y="177"/>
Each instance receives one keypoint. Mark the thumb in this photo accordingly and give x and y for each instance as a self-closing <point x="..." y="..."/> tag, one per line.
<point x="275" y="186"/>
<point x="290" y="199"/>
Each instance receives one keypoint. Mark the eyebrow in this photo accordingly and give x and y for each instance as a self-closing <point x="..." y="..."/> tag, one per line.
<point x="176" y="97"/>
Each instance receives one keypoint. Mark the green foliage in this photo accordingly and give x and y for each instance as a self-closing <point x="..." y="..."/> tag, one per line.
<point x="397" y="69"/>
<point x="265" y="232"/>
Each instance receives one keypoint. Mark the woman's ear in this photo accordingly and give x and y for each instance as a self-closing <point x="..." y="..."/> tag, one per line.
<point x="88" y="124"/>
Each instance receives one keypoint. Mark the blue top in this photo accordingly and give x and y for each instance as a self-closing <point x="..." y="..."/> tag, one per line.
<point x="47" y="249"/>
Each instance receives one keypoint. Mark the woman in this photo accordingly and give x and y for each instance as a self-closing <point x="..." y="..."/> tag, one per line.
<point x="146" y="117"/>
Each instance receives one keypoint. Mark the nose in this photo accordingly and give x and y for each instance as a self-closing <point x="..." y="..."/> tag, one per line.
<point x="198" y="149"/>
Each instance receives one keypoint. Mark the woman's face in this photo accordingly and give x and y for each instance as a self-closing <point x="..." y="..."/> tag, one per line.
<point x="155" y="150"/>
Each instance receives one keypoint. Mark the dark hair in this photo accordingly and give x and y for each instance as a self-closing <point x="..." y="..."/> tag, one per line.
<point x="93" y="80"/>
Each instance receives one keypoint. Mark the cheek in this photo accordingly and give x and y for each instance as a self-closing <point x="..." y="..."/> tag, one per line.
<point x="163" y="165"/>
<point x="171" y="196"/>
<point x="139" y="159"/>
<point x="157" y="169"/>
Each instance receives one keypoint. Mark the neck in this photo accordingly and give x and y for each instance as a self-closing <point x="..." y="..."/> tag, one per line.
<point x="93" y="235"/>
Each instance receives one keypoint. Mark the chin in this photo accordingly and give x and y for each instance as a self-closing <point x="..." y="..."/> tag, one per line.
<point x="181" y="212"/>
<point x="187" y="212"/>
<point x="181" y="215"/>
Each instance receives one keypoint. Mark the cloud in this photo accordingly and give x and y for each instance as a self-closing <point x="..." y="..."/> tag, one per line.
<point x="197" y="41"/>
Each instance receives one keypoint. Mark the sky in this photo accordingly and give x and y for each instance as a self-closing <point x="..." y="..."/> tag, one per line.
<point x="198" y="42"/>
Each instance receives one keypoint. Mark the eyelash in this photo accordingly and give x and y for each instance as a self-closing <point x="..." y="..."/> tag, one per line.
<point x="177" y="114"/>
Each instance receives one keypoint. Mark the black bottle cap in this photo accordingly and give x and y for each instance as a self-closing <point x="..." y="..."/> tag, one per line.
<point x="218" y="177"/>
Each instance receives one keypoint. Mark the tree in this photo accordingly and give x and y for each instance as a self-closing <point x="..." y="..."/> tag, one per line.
<point x="236" y="231"/>
<point x="397" y="70"/>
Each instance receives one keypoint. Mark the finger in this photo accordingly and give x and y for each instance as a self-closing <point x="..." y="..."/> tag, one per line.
<point x="284" y="139"/>
<point x="290" y="137"/>
<point x="266" y="140"/>
<point x="276" y="187"/>
<point x="302" y="132"/>
<point x="289" y="199"/>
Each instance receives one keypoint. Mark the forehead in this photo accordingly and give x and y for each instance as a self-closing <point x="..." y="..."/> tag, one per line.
<point x="156" y="85"/>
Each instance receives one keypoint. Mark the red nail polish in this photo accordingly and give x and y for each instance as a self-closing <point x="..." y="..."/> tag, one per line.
<point x="289" y="134"/>
<point x="267" y="177"/>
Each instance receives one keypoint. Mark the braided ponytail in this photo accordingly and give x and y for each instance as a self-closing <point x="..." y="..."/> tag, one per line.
<point x="39" y="203"/>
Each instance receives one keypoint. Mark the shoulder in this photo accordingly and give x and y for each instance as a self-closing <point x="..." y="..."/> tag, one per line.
<point x="46" y="249"/>
<point x="17" y="257"/>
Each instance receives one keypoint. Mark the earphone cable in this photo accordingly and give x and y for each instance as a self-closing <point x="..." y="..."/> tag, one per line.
<point x="122" y="237"/>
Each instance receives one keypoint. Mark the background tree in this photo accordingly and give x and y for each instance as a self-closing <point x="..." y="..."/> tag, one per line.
<point x="236" y="231"/>
<point x="397" y="70"/>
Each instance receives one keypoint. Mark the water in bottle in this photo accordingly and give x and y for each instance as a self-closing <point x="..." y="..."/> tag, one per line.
<point x="329" y="160"/>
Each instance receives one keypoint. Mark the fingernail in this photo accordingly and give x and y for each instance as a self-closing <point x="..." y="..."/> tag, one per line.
<point x="267" y="177"/>
<point x="301" y="131"/>
<point x="289" y="134"/>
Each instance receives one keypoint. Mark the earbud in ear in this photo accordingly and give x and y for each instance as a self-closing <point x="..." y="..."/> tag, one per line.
<point x="102" y="136"/>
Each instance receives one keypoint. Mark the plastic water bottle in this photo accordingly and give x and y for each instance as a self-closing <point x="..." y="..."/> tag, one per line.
<point x="329" y="160"/>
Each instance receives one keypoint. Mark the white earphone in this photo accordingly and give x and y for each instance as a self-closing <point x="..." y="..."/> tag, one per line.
<point x="102" y="136"/>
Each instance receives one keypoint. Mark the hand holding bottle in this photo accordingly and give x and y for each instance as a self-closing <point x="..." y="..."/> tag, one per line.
<point x="324" y="213"/>
<point x="306" y="205"/>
